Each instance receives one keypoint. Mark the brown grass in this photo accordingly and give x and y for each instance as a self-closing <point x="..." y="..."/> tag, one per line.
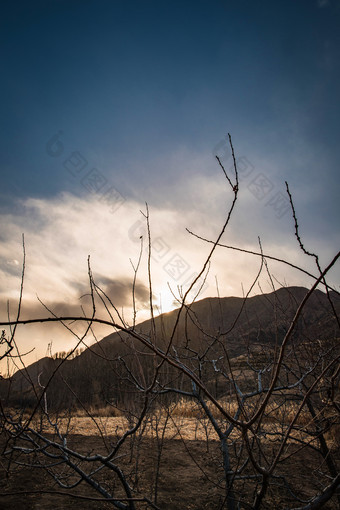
<point x="191" y="475"/>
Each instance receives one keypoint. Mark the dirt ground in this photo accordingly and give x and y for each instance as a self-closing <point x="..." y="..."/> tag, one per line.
<point x="182" y="484"/>
<point x="190" y="472"/>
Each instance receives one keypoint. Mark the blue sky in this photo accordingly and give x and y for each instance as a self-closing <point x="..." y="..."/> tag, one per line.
<point x="144" y="92"/>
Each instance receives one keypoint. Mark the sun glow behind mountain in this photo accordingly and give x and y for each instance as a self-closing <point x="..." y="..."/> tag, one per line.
<point x="147" y="129"/>
<point x="166" y="301"/>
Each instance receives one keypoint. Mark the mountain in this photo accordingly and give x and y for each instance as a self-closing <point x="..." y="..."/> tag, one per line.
<point x="207" y="332"/>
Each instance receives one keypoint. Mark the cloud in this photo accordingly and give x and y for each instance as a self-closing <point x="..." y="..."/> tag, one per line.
<point x="120" y="291"/>
<point x="62" y="232"/>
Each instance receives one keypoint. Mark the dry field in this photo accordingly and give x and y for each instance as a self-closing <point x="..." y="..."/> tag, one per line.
<point x="185" y="467"/>
<point x="180" y="451"/>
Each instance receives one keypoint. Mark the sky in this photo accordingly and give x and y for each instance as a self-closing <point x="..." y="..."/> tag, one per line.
<point x="109" y="105"/>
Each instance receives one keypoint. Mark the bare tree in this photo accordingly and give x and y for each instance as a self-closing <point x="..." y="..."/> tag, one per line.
<point x="268" y="397"/>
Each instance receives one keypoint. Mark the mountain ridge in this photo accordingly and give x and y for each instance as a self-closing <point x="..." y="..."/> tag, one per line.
<point x="257" y="321"/>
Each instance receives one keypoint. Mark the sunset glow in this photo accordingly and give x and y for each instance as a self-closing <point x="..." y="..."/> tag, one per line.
<point x="112" y="105"/>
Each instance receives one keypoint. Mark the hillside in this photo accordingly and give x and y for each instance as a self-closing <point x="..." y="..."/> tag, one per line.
<point x="110" y="370"/>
